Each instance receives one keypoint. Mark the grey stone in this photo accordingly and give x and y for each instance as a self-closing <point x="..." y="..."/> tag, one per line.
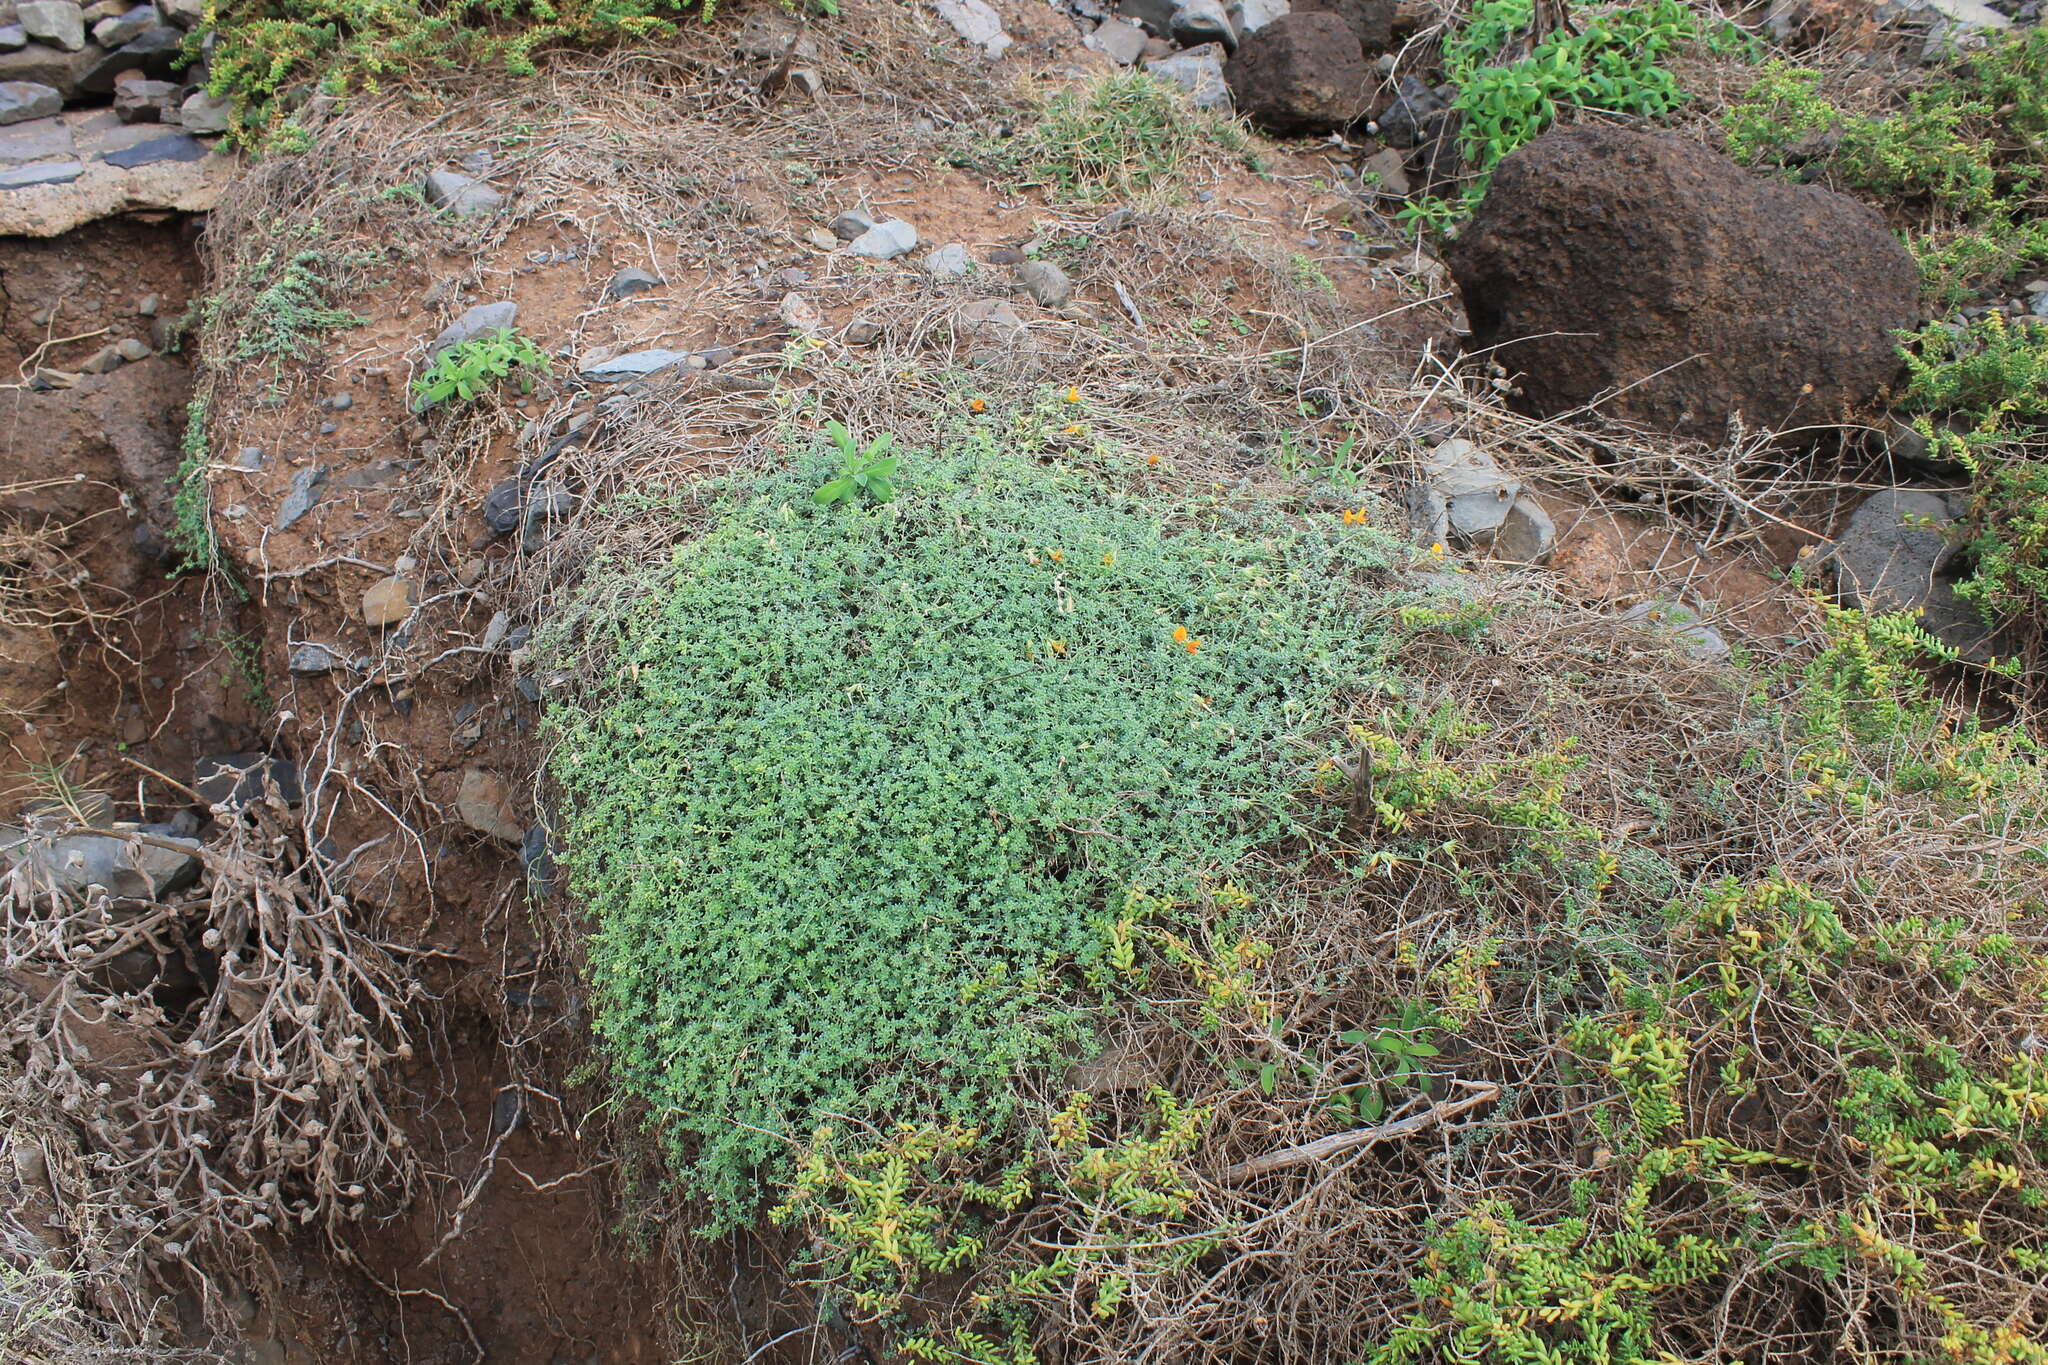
<point x="21" y="101"/>
<point x="1046" y="283"/>
<point x="502" y="505"/>
<point x="949" y="262"/>
<point x="1414" y="102"/>
<point x="146" y="101"/>
<point x="851" y="223"/>
<point x="629" y="282"/>
<point x="127" y="28"/>
<point x="989" y="320"/>
<point x="56" y="22"/>
<point x="130" y="869"/>
<point x="183" y="13"/>
<point x="475" y="322"/>
<point x="155" y="54"/>
<point x="1526" y="534"/>
<point x="494" y="633"/>
<point x="176" y="147"/>
<point x="977" y="23"/>
<point x="1123" y="43"/>
<point x="41" y="140"/>
<point x="1249" y="16"/>
<point x="1199" y="71"/>
<point x="105" y="360"/>
<point x="1477" y="494"/>
<point x="484" y="802"/>
<point x="548" y="504"/>
<point x="133" y="348"/>
<point x="1892" y="551"/>
<point x="1155" y="15"/>
<point x="203" y="115"/>
<point x="40" y="173"/>
<point x="1958" y="26"/>
<point x="249" y="457"/>
<point x="862" y="332"/>
<point x="885" y="241"/>
<point x="1698" y="639"/>
<point x="1386" y="172"/>
<point x="312" y="659"/>
<point x="13" y="37"/>
<point x="1195" y="22"/>
<point x="46" y="65"/>
<point x="461" y="195"/>
<point x="632" y="365"/>
<point x="538" y="860"/>
<point x="303" y="496"/>
<point x="340" y="402"/>
<point x="148" y="304"/>
<point x="240" y="778"/>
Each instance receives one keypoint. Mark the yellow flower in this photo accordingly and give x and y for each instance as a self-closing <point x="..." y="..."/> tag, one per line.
<point x="1058" y="555"/>
<point x="1074" y="393"/>
<point x="1071" y="429"/>
<point x="1058" y="646"/>
<point x="1436" y="551"/>
<point x="979" y="405"/>
<point x="1109" y="556"/>
<point x="1180" y="634"/>
<point x="1356" y="518"/>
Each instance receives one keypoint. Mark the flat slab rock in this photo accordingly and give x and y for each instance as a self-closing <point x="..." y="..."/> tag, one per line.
<point x="59" y="173"/>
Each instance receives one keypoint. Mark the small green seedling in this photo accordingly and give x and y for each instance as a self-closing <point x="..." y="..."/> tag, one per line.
<point x="871" y="471"/>
<point x="464" y="371"/>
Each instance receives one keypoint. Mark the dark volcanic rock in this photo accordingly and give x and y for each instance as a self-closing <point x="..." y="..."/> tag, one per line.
<point x="1302" y="73"/>
<point x="1605" y="261"/>
<point x="1371" y="20"/>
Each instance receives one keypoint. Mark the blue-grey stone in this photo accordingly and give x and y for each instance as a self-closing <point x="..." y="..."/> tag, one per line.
<point x="633" y="365"/>
<point x="303" y="497"/>
<point x="41" y="173"/>
<point x="176" y="147"/>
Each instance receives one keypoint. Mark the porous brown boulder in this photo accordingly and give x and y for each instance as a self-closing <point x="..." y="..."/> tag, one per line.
<point x="1371" y="20"/>
<point x="1302" y="73"/>
<point x="1657" y="275"/>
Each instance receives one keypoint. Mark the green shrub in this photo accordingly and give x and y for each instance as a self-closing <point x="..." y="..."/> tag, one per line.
<point x="468" y="368"/>
<point x="1121" y="136"/>
<point x="265" y="51"/>
<point x="281" y="306"/>
<point x="1983" y="391"/>
<point x="1616" y="61"/>
<point x="868" y="775"/>
<point x="1969" y="146"/>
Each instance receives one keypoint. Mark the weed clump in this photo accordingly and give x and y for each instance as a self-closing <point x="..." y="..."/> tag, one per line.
<point x="1616" y="60"/>
<point x="1119" y="137"/>
<point x="872" y="777"/>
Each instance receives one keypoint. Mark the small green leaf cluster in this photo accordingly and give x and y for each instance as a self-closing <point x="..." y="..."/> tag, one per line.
<point x="866" y="777"/>
<point x="467" y="369"/>
<point x="1615" y="61"/>
<point x="1120" y="137"/>
<point x="285" y="299"/>
<point x="1498" y="1287"/>
<point x="868" y="469"/>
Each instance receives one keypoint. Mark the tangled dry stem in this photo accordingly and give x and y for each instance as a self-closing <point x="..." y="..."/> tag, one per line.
<point x="222" y="1059"/>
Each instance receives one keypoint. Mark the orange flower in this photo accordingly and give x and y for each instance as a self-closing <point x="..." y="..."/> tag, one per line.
<point x="979" y="405"/>
<point x="1180" y="634"/>
<point x="1194" y="645"/>
<point x="1058" y="555"/>
<point x="1352" y="518"/>
<point x="1071" y="429"/>
<point x="1074" y="393"/>
<point x="1151" y="459"/>
<point x="1058" y="646"/>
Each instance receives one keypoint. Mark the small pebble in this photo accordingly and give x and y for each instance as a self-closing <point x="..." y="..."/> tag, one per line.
<point x="328" y="428"/>
<point x="147" y="305"/>
<point x="132" y="348"/>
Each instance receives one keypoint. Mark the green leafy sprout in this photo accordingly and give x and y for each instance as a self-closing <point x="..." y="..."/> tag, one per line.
<point x="468" y="369"/>
<point x="866" y="469"/>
